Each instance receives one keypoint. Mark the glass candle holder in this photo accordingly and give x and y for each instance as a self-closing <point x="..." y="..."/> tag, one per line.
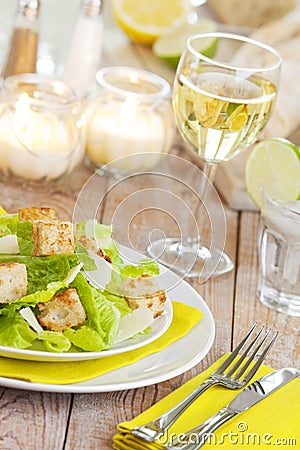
<point x="42" y="133"/>
<point x="129" y="115"/>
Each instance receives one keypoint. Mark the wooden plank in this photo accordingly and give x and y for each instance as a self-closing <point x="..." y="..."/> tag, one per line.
<point x="33" y="420"/>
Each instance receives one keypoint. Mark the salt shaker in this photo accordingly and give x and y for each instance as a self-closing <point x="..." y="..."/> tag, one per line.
<point x="22" y="54"/>
<point x="86" y="47"/>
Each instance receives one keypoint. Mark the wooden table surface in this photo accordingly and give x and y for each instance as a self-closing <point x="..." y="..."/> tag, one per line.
<point x="55" y="421"/>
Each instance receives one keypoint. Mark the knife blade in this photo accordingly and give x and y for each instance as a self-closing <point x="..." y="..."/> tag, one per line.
<point x="248" y="397"/>
<point x="261" y="388"/>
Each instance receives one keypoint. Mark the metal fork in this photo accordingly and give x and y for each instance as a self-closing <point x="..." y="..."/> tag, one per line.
<point x="235" y="378"/>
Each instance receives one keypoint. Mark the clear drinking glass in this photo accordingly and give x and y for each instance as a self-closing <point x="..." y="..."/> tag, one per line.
<point x="279" y="255"/>
<point x="221" y="104"/>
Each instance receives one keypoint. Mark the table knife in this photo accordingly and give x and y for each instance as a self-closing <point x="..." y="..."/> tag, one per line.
<point x="252" y="394"/>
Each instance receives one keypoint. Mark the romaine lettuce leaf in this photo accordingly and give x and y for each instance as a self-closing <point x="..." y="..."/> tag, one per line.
<point x="54" y="341"/>
<point x="14" y="330"/>
<point x="144" y="267"/>
<point x="85" y="293"/>
<point x="81" y="256"/>
<point x="85" y="338"/>
<point x="24" y="233"/>
<point x="119" y="302"/>
<point x="8" y="224"/>
<point x="109" y="317"/>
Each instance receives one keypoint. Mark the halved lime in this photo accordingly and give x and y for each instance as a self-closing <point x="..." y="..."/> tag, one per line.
<point x="170" y="46"/>
<point x="274" y="165"/>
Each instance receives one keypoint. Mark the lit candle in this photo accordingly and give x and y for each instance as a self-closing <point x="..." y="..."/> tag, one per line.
<point x="117" y="130"/>
<point x="128" y="121"/>
<point x="37" y="140"/>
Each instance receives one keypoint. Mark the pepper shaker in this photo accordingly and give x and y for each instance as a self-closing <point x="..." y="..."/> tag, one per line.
<point x="22" y="54"/>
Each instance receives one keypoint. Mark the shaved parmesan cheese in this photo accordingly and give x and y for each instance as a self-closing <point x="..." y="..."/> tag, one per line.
<point x="28" y="315"/>
<point x="9" y="244"/>
<point x="134" y="323"/>
<point x="100" y="277"/>
<point x="72" y="274"/>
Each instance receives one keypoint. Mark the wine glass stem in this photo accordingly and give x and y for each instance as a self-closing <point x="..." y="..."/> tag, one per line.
<point x="209" y="172"/>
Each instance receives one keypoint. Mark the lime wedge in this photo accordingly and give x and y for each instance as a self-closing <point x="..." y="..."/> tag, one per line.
<point x="273" y="164"/>
<point x="170" y="46"/>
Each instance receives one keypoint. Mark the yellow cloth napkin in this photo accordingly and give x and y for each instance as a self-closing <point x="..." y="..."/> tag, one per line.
<point x="184" y="318"/>
<point x="272" y="422"/>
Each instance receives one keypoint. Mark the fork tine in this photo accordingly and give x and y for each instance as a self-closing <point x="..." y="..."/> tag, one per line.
<point x="245" y="353"/>
<point x="260" y="360"/>
<point x="234" y="353"/>
<point x="252" y="356"/>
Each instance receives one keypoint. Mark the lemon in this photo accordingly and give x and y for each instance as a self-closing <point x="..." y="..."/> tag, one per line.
<point x="170" y="45"/>
<point x="239" y="120"/>
<point x="273" y="164"/>
<point x="145" y="21"/>
<point x="2" y="211"/>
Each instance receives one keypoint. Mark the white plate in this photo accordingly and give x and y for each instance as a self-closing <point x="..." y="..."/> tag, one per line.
<point x="159" y="327"/>
<point x="177" y="358"/>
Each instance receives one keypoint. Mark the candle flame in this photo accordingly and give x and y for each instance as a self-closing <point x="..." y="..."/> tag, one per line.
<point x="22" y="112"/>
<point x="133" y="78"/>
<point x="128" y="112"/>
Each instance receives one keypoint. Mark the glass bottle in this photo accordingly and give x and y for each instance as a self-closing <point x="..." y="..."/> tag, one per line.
<point x="85" y="50"/>
<point x="22" y="53"/>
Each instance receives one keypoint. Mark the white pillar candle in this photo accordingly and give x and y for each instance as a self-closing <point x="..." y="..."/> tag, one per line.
<point x="38" y="140"/>
<point x="130" y="115"/>
<point x="117" y="129"/>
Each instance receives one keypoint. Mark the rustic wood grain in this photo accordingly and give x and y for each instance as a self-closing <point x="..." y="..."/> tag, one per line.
<point x="33" y="420"/>
<point x="50" y="421"/>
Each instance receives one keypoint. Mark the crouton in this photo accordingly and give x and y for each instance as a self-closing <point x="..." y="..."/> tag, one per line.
<point x="52" y="237"/>
<point x="63" y="311"/>
<point x="144" y="291"/>
<point x="91" y="244"/>
<point x="13" y="281"/>
<point x="34" y="213"/>
<point x="88" y="243"/>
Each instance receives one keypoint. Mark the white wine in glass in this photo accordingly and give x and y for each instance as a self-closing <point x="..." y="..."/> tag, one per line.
<point x="221" y="104"/>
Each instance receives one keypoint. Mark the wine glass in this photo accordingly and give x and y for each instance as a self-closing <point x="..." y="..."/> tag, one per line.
<point x="221" y="104"/>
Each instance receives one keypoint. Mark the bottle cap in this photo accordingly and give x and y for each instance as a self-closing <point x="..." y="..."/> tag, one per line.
<point x="29" y="8"/>
<point x="91" y="7"/>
